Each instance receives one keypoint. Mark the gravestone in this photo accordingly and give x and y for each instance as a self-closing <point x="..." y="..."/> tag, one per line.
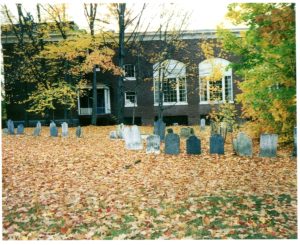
<point x="216" y="144"/>
<point x="223" y="130"/>
<point x="202" y="124"/>
<point x="268" y="145"/>
<point x="37" y="130"/>
<point x="243" y="145"/>
<point x="10" y="127"/>
<point x="119" y="131"/>
<point x="64" y="129"/>
<point x="53" y="129"/>
<point x="78" y="132"/>
<point x="160" y="129"/>
<point x="132" y="137"/>
<point x="113" y="135"/>
<point x="153" y="144"/>
<point x="193" y="145"/>
<point x="20" y="129"/>
<point x="295" y="142"/>
<point x="186" y="132"/>
<point x="172" y="143"/>
<point x="5" y="131"/>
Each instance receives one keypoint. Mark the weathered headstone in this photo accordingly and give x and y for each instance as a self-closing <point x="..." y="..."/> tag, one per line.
<point x="38" y="128"/>
<point x="5" y="131"/>
<point x="10" y="127"/>
<point x="202" y="124"/>
<point x="243" y="145"/>
<point x="132" y="137"/>
<point x="172" y="143"/>
<point x="64" y="129"/>
<point x="216" y="144"/>
<point x="186" y="132"/>
<point x="295" y="142"/>
<point x="113" y="135"/>
<point x="153" y="144"/>
<point x="78" y="132"/>
<point x="53" y="129"/>
<point x="20" y="129"/>
<point x="160" y="129"/>
<point x="268" y="145"/>
<point x="120" y="130"/>
<point x="193" y="145"/>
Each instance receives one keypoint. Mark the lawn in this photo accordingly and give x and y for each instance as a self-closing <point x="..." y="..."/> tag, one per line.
<point x="93" y="188"/>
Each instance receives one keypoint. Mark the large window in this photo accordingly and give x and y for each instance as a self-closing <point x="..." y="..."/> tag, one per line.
<point x="215" y="81"/>
<point x="170" y="78"/>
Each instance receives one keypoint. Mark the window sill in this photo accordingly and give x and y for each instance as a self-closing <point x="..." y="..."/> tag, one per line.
<point x="130" y="105"/>
<point x="129" y="79"/>
<point x="214" y="102"/>
<point x="172" y="103"/>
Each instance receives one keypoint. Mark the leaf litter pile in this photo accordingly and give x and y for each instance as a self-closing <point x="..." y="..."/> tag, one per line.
<point x="93" y="188"/>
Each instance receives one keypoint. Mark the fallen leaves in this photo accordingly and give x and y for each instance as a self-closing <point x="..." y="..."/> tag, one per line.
<point x="56" y="188"/>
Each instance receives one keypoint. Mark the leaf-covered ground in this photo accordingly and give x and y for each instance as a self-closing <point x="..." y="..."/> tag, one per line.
<point x="93" y="188"/>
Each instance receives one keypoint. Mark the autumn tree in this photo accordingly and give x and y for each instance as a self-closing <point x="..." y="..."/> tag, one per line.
<point x="267" y="64"/>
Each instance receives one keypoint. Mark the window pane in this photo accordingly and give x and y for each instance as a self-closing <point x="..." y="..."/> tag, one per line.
<point x="130" y="98"/>
<point x="215" y="90"/>
<point x="169" y="90"/>
<point x="129" y="70"/>
<point x="203" y="90"/>
<point x="182" y="90"/>
<point x="228" y="90"/>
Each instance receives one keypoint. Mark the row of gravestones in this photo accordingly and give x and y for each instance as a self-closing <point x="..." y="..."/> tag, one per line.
<point x="37" y="131"/>
<point x="242" y="145"/>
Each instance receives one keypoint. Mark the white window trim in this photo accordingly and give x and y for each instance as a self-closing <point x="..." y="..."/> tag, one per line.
<point x="128" y="103"/>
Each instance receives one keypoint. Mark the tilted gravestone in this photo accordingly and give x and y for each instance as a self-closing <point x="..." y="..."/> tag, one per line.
<point x="38" y="128"/>
<point x="132" y="137"/>
<point x="243" y="145"/>
<point x="216" y="144"/>
<point x="186" y="132"/>
<point x="20" y="129"/>
<point x="64" y="129"/>
<point x="119" y="131"/>
<point x="153" y="144"/>
<point x="160" y="129"/>
<point x="172" y="143"/>
<point x="53" y="130"/>
<point x="10" y="127"/>
<point x="268" y="145"/>
<point x="202" y="124"/>
<point x="78" y="132"/>
<point x="193" y="145"/>
<point x="295" y="142"/>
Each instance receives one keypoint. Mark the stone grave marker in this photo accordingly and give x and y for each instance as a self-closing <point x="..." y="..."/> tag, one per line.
<point x="243" y="145"/>
<point x="64" y="129"/>
<point x="20" y="129"/>
<point x="38" y="128"/>
<point x="153" y="144"/>
<point x="120" y="130"/>
<point x="186" y="132"/>
<point x="113" y="135"/>
<point x="5" y="131"/>
<point x="202" y="124"/>
<point x="78" y="132"/>
<point x="216" y="144"/>
<point x="10" y="127"/>
<point x="53" y="129"/>
<point x="160" y="129"/>
<point x="268" y="145"/>
<point x="172" y="143"/>
<point x="193" y="145"/>
<point x="132" y="137"/>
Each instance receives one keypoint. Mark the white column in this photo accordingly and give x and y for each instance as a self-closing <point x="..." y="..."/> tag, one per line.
<point x="108" y="101"/>
<point x="78" y="102"/>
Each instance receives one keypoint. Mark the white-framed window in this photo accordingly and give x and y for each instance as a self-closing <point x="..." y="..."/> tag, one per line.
<point x="130" y="99"/>
<point x="215" y="81"/>
<point x="172" y="73"/>
<point x="129" y="70"/>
